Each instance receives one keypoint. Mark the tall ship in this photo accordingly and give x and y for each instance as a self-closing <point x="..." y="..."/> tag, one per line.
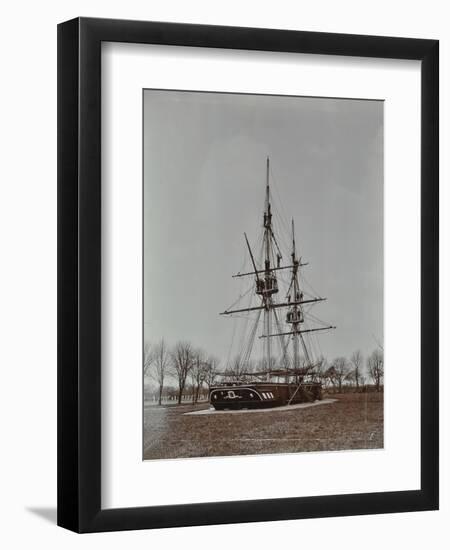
<point x="285" y="371"/>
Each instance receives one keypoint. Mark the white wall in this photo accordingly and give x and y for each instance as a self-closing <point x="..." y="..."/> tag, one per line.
<point x="28" y="267"/>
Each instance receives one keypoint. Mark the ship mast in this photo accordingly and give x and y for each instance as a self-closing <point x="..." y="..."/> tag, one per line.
<point x="267" y="273"/>
<point x="267" y="285"/>
<point x="295" y="314"/>
<point x="295" y="307"/>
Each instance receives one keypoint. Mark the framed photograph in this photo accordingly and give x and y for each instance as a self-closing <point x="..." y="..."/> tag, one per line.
<point x="247" y="275"/>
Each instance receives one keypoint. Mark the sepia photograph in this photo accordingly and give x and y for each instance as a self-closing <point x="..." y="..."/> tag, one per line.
<point x="262" y="274"/>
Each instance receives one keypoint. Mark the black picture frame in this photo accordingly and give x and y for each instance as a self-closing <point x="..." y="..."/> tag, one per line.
<point x="79" y="274"/>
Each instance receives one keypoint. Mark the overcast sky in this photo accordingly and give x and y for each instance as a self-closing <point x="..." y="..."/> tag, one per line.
<point x="204" y="177"/>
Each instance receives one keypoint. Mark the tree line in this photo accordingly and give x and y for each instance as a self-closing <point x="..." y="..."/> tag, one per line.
<point x="354" y="372"/>
<point x="183" y="363"/>
<point x="192" y="367"/>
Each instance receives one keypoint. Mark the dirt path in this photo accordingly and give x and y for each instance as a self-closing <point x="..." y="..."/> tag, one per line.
<point x="212" y="411"/>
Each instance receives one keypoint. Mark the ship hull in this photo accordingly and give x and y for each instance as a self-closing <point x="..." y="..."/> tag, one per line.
<point x="235" y="396"/>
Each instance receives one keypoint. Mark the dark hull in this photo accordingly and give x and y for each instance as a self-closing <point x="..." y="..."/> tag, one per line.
<point x="259" y="395"/>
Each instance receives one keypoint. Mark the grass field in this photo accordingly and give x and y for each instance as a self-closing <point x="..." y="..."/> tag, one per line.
<point x="354" y="421"/>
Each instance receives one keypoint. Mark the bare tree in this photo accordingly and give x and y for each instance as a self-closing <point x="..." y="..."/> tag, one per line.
<point x="320" y="371"/>
<point x="181" y="363"/>
<point x="338" y="372"/>
<point x="329" y="377"/>
<point x="147" y="358"/>
<point x="375" y="364"/>
<point x="357" y="361"/>
<point x="211" y="367"/>
<point x="160" y="360"/>
<point x="350" y="377"/>
<point x="197" y="373"/>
